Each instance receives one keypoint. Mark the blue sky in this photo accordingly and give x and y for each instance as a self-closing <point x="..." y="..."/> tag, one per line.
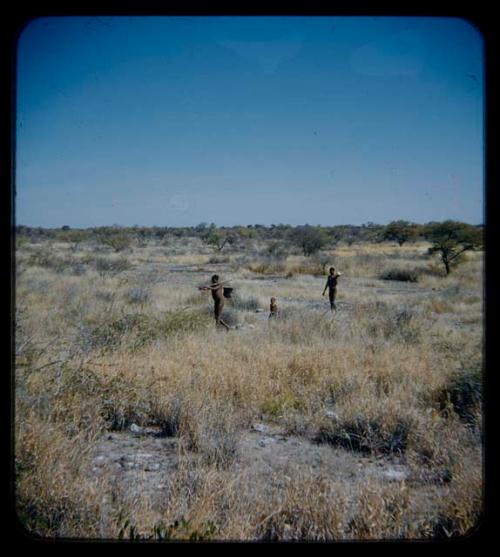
<point x="173" y="121"/>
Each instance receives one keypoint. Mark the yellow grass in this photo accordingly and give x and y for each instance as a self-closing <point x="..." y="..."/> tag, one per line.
<point x="385" y="365"/>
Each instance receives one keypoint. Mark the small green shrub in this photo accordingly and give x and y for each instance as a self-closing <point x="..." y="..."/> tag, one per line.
<point x="276" y="405"/>
<point x="118" y="242"/>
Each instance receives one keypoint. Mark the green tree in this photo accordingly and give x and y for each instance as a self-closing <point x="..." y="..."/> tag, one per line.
<point x="245" y="233"/>
<point x="450" y="239"/>
<point x="309" y="238"/>
<point x="216" y="237"/>
<point x="399" y="231"/>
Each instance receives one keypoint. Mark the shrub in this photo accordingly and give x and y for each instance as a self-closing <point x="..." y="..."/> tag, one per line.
<point x="21" y="241"/>
<point x="41" y="258"/>
<point x="362" y="434"/>
<point x="136" y="330"/>
<point x="395" y="323"/>
<point x="174" y="322"/>
<point x="308" y="267"/>
<point x="242" y="303"/>
<point x="268" y="266"/>
<point x="405" y="275"/>
<point x="276" y="406"/>
<point x="310" y="509"/>
<point x="219" y="259"/>
<point x="212" y="432"/>
<point x="118" y="242"/>
<point x="276" y="249"/>
<point x="106" y="266"/>
<point x="463" y="394"/>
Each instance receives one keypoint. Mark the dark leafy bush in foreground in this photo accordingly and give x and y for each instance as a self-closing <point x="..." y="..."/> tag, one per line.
<point x="404" y="275"/>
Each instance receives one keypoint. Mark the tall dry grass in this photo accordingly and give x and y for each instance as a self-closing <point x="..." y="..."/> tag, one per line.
<point x="97" y="351"/>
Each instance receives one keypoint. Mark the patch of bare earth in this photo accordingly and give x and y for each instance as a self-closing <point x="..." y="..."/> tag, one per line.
<point x="140" y="462"/>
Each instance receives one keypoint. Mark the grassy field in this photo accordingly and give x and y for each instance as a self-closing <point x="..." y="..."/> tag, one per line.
<point x="136" y="418"/>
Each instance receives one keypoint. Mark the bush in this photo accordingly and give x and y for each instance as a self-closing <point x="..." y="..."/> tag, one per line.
<point x="219" y="259"/>
<point x="106" y="266"/>
<point x="400" y="324"/>
<point x="268" y="266"/>
<point x="136" y="330"/>
<point x="174" y="322"/>
<point x="463" y="394"/>
<point x="118" y="242"/>
<point x="404" y="275"/>
<point x="212" y="432"/>
<point x="368" y="435"/>
<point x="246" y="304"/>
<point x="312" y="267"/>
<point x="276" y="249"/>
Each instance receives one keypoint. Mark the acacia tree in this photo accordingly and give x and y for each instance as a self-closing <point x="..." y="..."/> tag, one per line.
<point x="216" y="237"/>
<point x="450" y="239"/>
<point x="399" y="231"/>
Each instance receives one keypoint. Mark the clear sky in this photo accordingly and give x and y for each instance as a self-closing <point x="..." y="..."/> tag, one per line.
<point x="173" y="121"/>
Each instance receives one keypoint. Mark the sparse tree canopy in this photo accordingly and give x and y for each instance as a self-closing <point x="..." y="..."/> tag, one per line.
<point x="450" y="239"/>
<point x="217" y="237"/>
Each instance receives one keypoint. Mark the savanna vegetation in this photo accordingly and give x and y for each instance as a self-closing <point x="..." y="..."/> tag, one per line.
<point x="136" y="419"/>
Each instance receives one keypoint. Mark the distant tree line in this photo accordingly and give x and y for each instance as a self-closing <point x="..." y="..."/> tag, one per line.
<point x="449" y="239"/>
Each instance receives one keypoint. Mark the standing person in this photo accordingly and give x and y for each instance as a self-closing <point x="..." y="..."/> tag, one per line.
<point x="217" y="290"/>
<point x="331" y="284"/>
<point x="273" y="308"/>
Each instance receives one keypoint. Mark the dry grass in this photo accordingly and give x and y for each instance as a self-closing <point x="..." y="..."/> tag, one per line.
<point x="97" y="351"/>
